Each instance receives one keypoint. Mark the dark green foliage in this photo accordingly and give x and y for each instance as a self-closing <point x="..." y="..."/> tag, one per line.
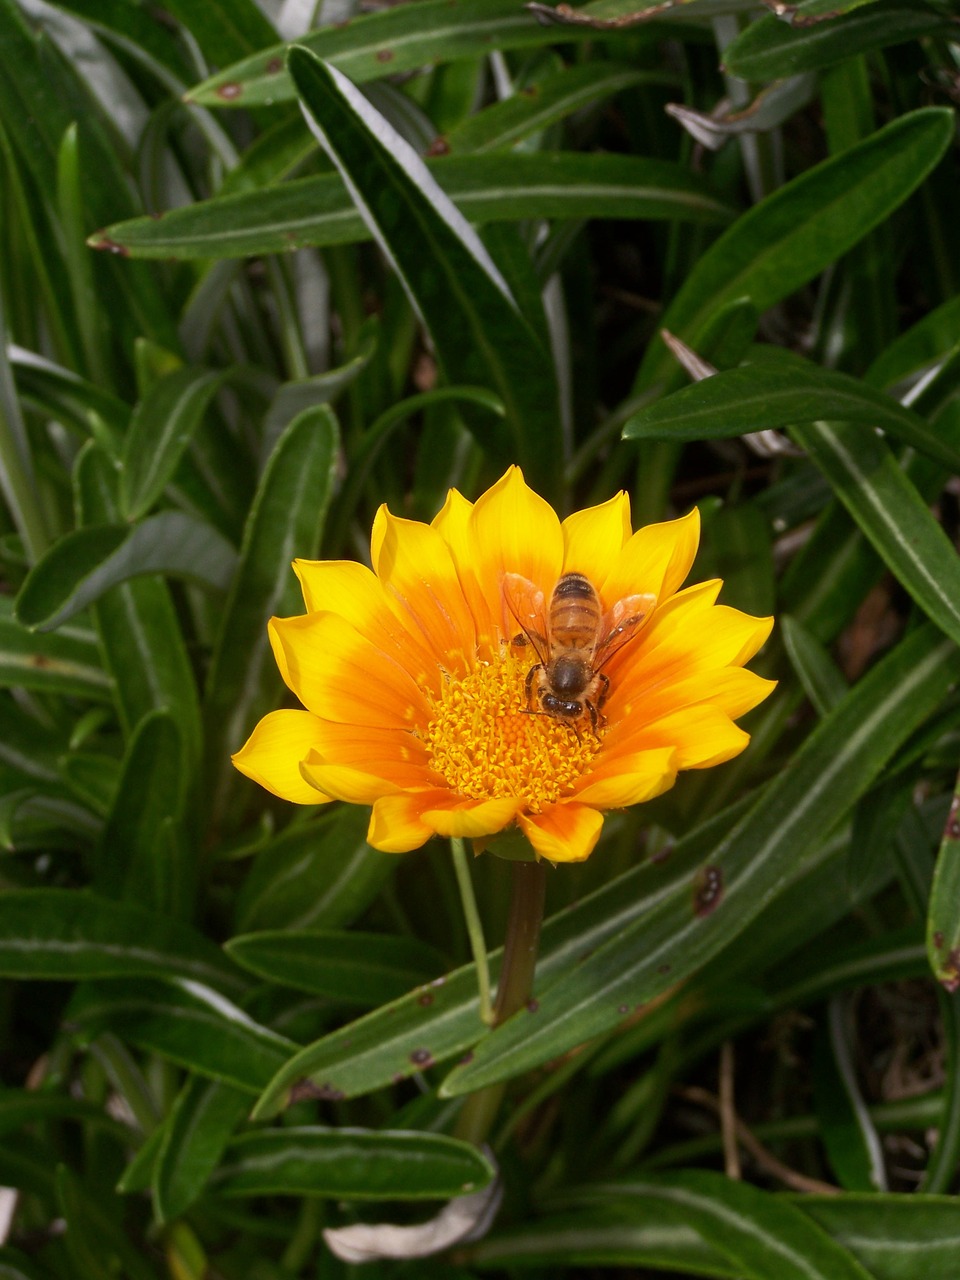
<point x="226" y="1025"/>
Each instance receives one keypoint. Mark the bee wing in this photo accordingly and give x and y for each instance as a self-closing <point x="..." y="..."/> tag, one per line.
<point x="620" y="624"/>
<point x="525" y="604"/>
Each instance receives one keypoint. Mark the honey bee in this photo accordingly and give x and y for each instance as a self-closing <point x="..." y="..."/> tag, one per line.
<point x="574" y="640"/>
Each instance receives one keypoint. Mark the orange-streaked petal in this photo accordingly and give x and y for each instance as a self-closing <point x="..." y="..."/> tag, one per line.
<point x="272" y="755"/>
<point x="472" y="817"/>
<point x="564" y="832"/>
<point x="594" y="537"/>
<point x="354" y="592"/>
<point x="396" y="824"/>
<point x="513" y="530"/>
<point x="359" y="764"/>
<point x="656" y="559"/>
<point x="414" y="564"/>
<point x="701" y="735"/>
<point x="453" y="525"/>
<point x="733" y="690"/>
<point x="622" y="779"/>
<point x="339" y="675"/>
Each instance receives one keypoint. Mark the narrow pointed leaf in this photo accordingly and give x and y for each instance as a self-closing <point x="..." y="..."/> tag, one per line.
<point x="804" y="226"/>
<point x="195" y="1134"/>
<point x="835" y="765"/>
<point x="352" y="1164"/>
<point x="84" y="564"/>
<point x="187" y="1022"/>
<point x="868" y="481"/>
<point x="65" y="934"/>
<point x="477" y="330"/>
<point x="542" y="103"/>
<point x="390" y="42"/>
<point x="285" y="520"/>
<point x="319" y="211"/>
<point x="366" y="969"/>
<point x="780" y="389"/>
<point x="770" y="48"/>
<point x="160" y="430"/>
<point x="66" y="663"/>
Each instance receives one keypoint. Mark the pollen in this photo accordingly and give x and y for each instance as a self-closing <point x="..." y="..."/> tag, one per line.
<point x="485" y="745"/>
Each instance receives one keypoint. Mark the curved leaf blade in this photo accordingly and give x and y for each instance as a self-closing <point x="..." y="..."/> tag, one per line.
<point x="353" y="1164"/>
<point x="801" y="228"/>
<point x="84" y="564"/>
<point x="866" y="478"/>
<point x="367" y="969"/>
<point x="780" y="389"/>
<point x="67" y="935"/>
<point x="770" y="49"/>
<point x="478" y="332"/>
<point x="318" y="211"/>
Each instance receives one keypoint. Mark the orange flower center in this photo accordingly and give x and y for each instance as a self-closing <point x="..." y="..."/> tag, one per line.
<point x="485" y="744"/>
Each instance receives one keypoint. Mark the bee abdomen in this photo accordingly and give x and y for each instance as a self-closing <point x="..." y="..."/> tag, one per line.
<point x="574" y="612"/>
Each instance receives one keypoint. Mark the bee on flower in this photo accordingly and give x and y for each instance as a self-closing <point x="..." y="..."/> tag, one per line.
<point x="501" y="667"/>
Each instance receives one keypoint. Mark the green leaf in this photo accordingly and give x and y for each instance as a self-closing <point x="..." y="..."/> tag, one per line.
<point x="133" y="860"/>
<point x="285" y="520"/>
<point x="896" y="1237"/>
<point x="477" y="330"/>
<point x="351" y="1164"/>
<point x="822" y="682"/>
<point x="331" y="854"/>
<point x="770" y="48"/>
<point x="224" y="29"/>
<point x="943" y="919"/>
<point x="67" y="663"/>
<point x="779" y="389"/>
<point x="319" y="211"/>
<point x="68" y="935"/>
<point x="160" y="430"/>
<point x="801" y="228"/>
<point x="761" y="1234"/>
<point x="143" y="645"/>
<point x="866" y="478"/>
<point x="351" y="968"/>
<point x="98" y="1247"/>
<point x="195" y="1136"/>
<point x="846" y="1129"/>
<point x="187" y="1022"/>
<point x="84" y="564"/>
<point x="542" y="103"/>
<point x="835" y="765"/>
<point x="390" y="42"/>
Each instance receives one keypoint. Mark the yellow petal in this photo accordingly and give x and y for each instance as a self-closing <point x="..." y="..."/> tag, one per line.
<point x="272" y="755"/>
<point x="594" y="537"/>
<point x="473" y="817"/>
<point x="339" y="675"/>
<point x="624" y="779"/>
<point x="354" y="592"/>
<point x="702" y="736"/>
<point x="733" y="690"/>
<point x="360" y="764"/>
<point x="396" y="825"/>
<point x="512" y="530"/>
<point x="414" y="564"/>
<point x="656" y="559"/>
<point x="453" y="525"/>
<point x="564" y="833"/>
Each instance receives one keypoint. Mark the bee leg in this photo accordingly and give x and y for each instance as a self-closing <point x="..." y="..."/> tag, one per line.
<point x="604" y="689"/>
<point x="528" y="683"/>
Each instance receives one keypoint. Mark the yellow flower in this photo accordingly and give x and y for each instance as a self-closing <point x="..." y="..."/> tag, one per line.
<point x="413" y="676"/>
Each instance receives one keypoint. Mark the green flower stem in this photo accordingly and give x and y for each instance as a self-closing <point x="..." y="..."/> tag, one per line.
<point x="520" y="950"/>
<point x="478" y="945"/>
